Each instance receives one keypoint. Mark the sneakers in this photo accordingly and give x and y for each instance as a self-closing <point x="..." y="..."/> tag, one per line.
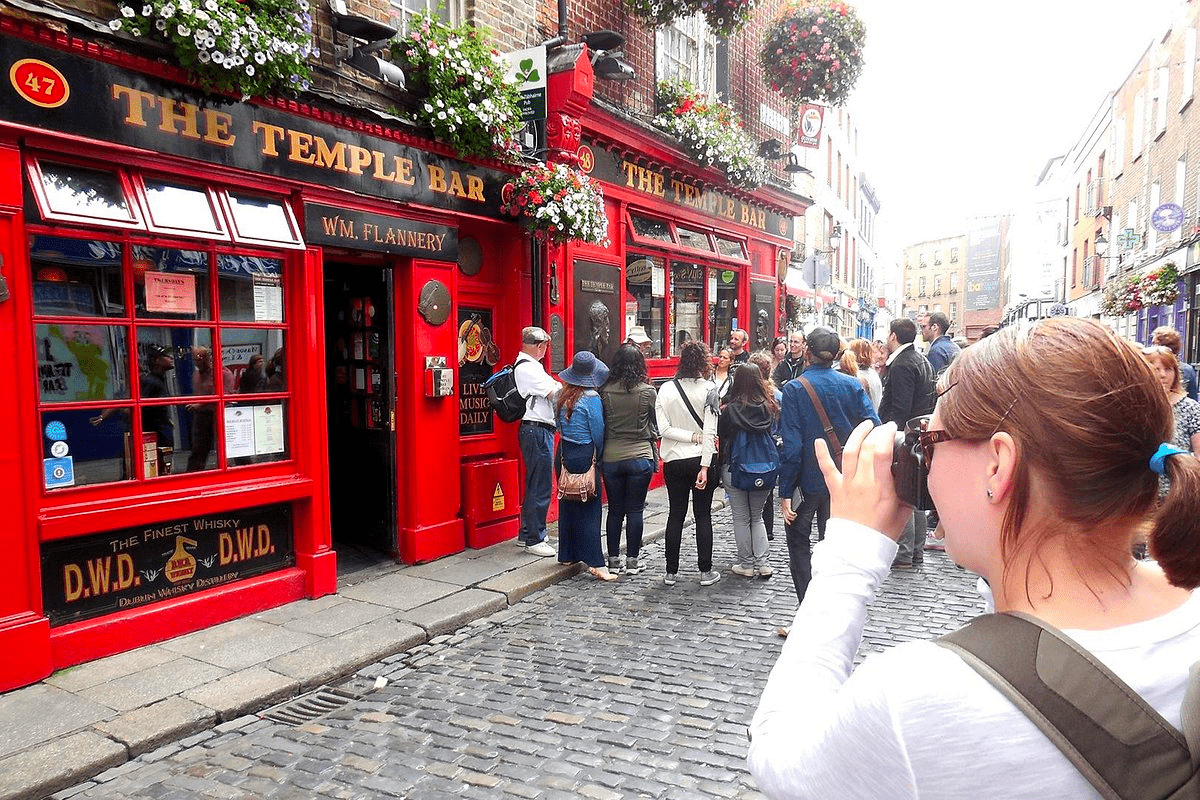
<point x="632" y="567"/>
<point x="934" y="544"/>
<point x="541" y="549"/>
<point x="614" y="564"/>
<point x="906" y="566"/>
<point x="709" y="578"/>
<point x="744" y="571"/>
<point x="670" y="579"/>
<point x="765" y="571"/>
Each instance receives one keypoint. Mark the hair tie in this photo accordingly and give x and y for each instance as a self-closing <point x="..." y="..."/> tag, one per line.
<point x="1158" y="460"/>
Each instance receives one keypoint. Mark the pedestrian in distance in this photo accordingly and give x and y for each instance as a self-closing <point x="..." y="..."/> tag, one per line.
<point x="845" y="404"/>
<point x="793" y="363"/>
<point x="779" y="349"/>
<point x="942" y="349"/>
<point x="867" y="375"/>
<point x="535" y="435"/>
<point x="580" y="417"/>
<point x="1169" y="338"/>
<point x="723" y="373"/>
<point x="1043" y="457"/>
<point x="1184" y="410"/>
<point x="739" y="347"/>
<point x="750" y="410"/>
<point x="688" y="424"/>
<point x="908" y="392"/>
<point x="630" y="454"/>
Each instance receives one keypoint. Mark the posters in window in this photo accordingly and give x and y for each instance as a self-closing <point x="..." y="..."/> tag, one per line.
<point x="170" y="293"/>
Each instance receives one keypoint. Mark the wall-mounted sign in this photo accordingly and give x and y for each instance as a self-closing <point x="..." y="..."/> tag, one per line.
<point x="812" y="120"/>
<point x="527" y="71"/>
<point x="363" y="230"/>
<point x="108" y="103"/>
<point x="1167" y="217"/>
<point x="88" y="576"/>
<point x="477" y="356"/>
<point x="639" y="271"/>
<point x="663" y="184"/>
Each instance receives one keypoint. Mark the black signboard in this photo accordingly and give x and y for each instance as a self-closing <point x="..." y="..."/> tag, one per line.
<point x="103" y="102"/>
<point x="595" y="309"/>
<point x="89" y="576"/>
<point x="478" y="355"/>
<point x="762" y="305"/>
<point x="362" y="230"/>
<point x="667" y="186"/>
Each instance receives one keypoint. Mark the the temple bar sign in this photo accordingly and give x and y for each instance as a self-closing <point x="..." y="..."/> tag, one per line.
<point x="659" y="182"/>
<point x="362" y="230"/>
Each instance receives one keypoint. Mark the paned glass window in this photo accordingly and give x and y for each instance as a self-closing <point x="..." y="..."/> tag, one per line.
<point x="687" y="304"/>
<point x="644" y="280"/>
<point x="686" y="49"/>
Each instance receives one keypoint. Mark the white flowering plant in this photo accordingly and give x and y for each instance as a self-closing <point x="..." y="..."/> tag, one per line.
<point x="250" y="48"/>
<point x="711" y="132"/>
<point x="463" y="93"/>
<point x="558" y="204"/>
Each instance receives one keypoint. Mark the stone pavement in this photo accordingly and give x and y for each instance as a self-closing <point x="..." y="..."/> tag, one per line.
<point x="469" y="682"/>
<point x="94" y="716"/>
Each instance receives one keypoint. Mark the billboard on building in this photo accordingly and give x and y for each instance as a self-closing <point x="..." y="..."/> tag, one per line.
<point x="983" y="264"/>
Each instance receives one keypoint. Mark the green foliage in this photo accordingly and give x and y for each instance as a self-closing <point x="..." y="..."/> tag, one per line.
<point x="710" y="132"/>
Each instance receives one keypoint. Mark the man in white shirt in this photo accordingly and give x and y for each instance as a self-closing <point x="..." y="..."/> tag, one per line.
<point x="536" y="438"/>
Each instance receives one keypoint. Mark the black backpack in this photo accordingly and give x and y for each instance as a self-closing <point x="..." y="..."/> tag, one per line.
<point x="1113" y="737"/>
<point x="508" y="403"/>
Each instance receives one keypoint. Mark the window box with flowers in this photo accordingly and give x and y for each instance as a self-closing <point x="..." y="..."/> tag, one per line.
<point x="1134" y="292"/>
<point x="813" y="51"/>
<point x="725" y="17"/>
<point x="557" y="204"/>
<point x="458" y="80"/>
<point x="710" y="132"/>
<point x="249" y="48"/>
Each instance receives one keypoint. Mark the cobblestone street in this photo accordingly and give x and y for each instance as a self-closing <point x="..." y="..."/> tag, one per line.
<point x="586" y="689"/>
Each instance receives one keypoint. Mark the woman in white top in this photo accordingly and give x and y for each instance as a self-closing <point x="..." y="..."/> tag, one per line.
<point x="683" y="454"/>
<point x="1047" y="441"/>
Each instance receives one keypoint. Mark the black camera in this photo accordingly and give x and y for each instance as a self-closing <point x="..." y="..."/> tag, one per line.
<point x="910" y="473"/>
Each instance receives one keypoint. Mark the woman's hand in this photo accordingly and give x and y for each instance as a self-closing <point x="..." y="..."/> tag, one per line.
<point x="702" y="478"/>
<point x="863" y="491"/>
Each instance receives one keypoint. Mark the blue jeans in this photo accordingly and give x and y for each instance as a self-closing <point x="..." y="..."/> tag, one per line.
<point x="625" y="485"/>
<point x="537" y="450"/>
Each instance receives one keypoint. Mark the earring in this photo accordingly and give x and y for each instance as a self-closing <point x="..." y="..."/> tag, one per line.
<point x="989" y="494"/>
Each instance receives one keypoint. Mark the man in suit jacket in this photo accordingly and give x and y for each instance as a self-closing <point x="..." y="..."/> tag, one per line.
<point x="909" y="390"/>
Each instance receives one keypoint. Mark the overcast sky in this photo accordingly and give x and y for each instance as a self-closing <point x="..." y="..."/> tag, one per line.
<point x="961" y="103"/>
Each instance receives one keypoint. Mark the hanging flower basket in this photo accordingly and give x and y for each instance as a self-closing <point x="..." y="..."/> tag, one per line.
<point x="1122" y="296"/>
<point x="557" y="204"/>
<point x="462" y="93"/>
<point x="247" y="48"/>
<point x="1161" y="287"/>
<point x="725" y="17"/>
<point x="813" y="51"/>
<point x="710" y="132"/>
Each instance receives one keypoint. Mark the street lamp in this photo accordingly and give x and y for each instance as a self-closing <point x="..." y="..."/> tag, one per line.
<point x="834" y="241"/>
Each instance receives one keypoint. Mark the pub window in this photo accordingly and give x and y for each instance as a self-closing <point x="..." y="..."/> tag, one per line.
<point x="731" y="248"/>
<point x="687" y="304"/>
<point x="644" y="280"/>
<point x="157" y="356"/>
<point x="691" y="238"/>
<point x="641" y="227"/>
<point x="722" y="304"/>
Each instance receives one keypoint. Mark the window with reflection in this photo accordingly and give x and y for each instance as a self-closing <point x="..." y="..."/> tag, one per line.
<point x="730" y="248"/>
<point x="650" y="228"/>
<point x="722" y="303"/>
<point x="690" y="238"/>
<point x="262" y="219"/>
<point x="687" y="304"/>
<point x="82" y="192"/>
<point x="181" y="208"/>
<point x="251" y="288"/>
<point x="645" y="280"/>
<point x="170" y="283"/>
<point x="77" y="277"/>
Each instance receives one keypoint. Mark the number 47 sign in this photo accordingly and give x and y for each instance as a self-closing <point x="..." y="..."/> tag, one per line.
<point x="527" y="71"/>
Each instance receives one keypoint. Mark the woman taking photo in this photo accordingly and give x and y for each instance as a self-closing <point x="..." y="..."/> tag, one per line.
<point x="1043" y="456"/>
<point x="630" y="454"/>
<point x="682" y="412"/>
<point x="749" y="408"/>
<point x="581" y="445"/>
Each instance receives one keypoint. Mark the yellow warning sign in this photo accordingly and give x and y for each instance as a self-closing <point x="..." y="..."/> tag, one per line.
<point x="498" y="499"/>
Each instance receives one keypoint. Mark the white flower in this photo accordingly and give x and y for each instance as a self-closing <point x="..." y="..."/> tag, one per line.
<point x="260" y="58"/>
<point x="127" y="12"/>
<point x="147" y="10"/>
<point x="211" y="5"/>
<point x="250" y="70"/>
<point x="160" y="24"/>
<point x="204" y="57"/>
<point x="115" y="24"/>
<point x="218" y="57"/>
<point x="184" y="30"/>
<point x="167" y="11"/>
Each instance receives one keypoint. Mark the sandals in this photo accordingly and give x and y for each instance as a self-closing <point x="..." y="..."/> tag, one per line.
<point x="602" y="573"/>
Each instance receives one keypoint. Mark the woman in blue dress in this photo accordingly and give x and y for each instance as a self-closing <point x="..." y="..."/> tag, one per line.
<point x="580" y="448"/>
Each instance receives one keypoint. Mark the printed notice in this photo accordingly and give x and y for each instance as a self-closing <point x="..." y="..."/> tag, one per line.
<point x="170" y="293"/>
<point x="268" y="302"/>
<point x="239" y="432"/>
<point x="268" y="429"/>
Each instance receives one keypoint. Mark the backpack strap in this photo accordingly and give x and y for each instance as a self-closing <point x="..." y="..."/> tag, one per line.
<point x="688" y="403"/>
<point x="1117" y="741"/>
<point x="835" y="444"/>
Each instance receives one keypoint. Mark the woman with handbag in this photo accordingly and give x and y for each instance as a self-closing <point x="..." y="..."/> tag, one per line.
<point x="581" y="444"/>
<point x="630" y="453"/>
<point x="682" y="412"/>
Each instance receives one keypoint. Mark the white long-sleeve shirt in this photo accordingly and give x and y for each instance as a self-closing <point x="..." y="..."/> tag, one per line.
<point x="916" y="721"/>
<point x="676" y="424"/>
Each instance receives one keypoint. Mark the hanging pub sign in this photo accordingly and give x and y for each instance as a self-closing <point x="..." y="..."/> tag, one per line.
<point x="664" y="184"/>
<point x="89" y="576"/>
<point x="812" y="120"/>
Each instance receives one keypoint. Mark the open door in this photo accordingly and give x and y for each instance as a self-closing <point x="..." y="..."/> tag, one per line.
<point x="361" y="382"/>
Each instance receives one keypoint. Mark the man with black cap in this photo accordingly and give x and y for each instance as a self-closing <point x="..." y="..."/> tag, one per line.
<point x="536" y="438"/>
<point x="844" y="404"/>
